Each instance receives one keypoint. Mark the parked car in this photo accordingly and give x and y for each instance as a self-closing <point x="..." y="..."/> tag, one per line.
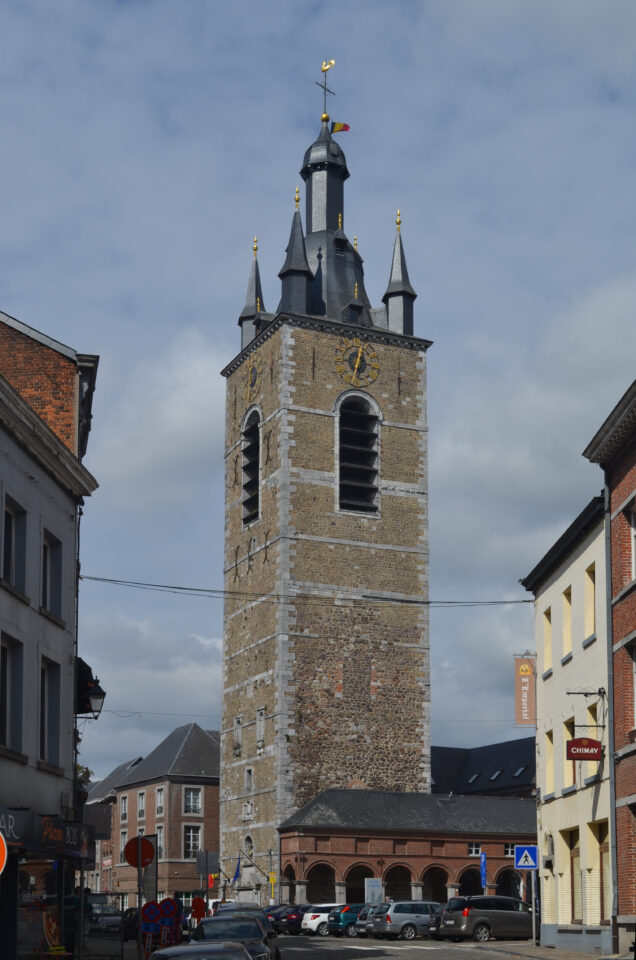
<point x="370" y="915"/>
<point x="204" y="951"/>
<point x="290" y="919"/>
<point x="435" y="921"/>
<point x="361" y="920"/>
<point x="105" y="919"/>
<point x="342" y="920"/>
<point x="129" y="924"/>
<point x="241" y="928"/>
<point x="406" y="919"/>
<point x="484" y="917"/>
<point x="315" y="919"/>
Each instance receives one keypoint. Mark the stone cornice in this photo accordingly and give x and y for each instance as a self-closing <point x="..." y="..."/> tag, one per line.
<point x="610" y="440"/>
<point x="31" y="433"/>
<point x="325" y="325"/>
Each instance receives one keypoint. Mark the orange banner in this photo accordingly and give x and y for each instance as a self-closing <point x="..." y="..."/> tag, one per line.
<point x="525" y="695"/>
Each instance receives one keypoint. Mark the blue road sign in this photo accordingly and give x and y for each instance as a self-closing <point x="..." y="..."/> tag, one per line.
<point x="526" y="857"/>
<point x="482" y="864"/>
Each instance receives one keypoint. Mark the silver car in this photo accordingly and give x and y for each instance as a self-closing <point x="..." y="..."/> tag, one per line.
<point x="405" y="919"/>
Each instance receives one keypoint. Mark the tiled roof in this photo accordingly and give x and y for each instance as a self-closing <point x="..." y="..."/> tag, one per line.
<point x="416" y="813"/>
<point x="105" y="788"/>
<point x="474" y="770"/>
<point x="189" y="752"/>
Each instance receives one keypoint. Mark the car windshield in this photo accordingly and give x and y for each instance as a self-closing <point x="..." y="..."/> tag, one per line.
<point x="228" y="929"/>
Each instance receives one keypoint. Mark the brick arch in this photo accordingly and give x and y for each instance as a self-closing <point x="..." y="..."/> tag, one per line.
<point x="397" y="881"/>
<point x="434" y="879"/>
<point x="320" y="878"/>
<point x="354" y="878"/>
<point x="508" y="882"/>
<point x="348" y="394"/>
<point x="468" y="880"/>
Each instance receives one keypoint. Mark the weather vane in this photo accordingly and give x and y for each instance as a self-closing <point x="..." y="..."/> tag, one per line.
<point x="326" y="65"/>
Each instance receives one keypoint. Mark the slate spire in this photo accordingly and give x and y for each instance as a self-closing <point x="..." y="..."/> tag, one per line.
<point x="399" y="294"/>
<point x="249" y="319"/>
<point x="295" y="273"/>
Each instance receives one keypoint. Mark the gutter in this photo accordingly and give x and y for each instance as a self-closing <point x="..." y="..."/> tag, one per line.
<point x="610" y="711"/>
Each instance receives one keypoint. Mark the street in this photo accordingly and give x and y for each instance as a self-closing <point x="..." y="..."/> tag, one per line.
<point x="328" y="948"/>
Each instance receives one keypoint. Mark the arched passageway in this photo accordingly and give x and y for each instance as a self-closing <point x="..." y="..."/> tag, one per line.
<point x="508" y="883"/>
<point x="321" y="884"/>
<point x="434" y="885"/>
<point x="289" y="878"/>
<point x="397" y="883"/>
<point x="470" y="883"/>
<point x="355" y="884"/>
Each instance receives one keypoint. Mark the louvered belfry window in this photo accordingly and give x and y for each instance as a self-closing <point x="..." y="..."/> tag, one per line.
<point x="251" y="468"/>
<point x="359" y="465"/>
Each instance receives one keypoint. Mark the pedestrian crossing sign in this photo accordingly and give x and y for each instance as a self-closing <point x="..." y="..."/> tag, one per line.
<point x="526" y="857"/>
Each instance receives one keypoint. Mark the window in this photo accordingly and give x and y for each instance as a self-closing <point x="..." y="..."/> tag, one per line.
<point x="592" y="731"/>
<point x="260" y="728"/>
<point x="123" y="840"/>
<point x="123" y="809"/>
<point x="14" y="545"/>
<point x="509" y="849"/>
<point x="248" y="810"/>
<point x="141" y="805"/>
<point x="473" y="777"/>
<point x="160" y="842"/>
<point x="519" y="771"/>
<point x="251" y="468"/>
<point x="238" y="735"/>
<point x="159" y="801"/>
<point x="569" y="766"/>
<point x="141" y="831"/>
<point x="358" y="456"/>
<point x="192" y="800"/>
<point x="10" y="694"/>
<point x="567" y="621"/>
<point x="249" y="846"/>
<point x="51" y="598"/>
<point x="191" y="841"/>
<point x="547" y="639"/>
<point x="549" y="762"/>
<point x="495" y="774"/>
<point x="249" y="780"/>
<point x="49" y="747"/>
<point x="572" y="839"/>
<point x="474" y="848"/>
<point x="590" y="601"/>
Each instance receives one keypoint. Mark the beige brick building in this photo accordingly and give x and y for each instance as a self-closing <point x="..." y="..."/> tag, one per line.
<point x="326" y="647"/>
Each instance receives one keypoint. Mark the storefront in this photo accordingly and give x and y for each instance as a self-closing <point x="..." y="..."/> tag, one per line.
<point x="38" y="905"/>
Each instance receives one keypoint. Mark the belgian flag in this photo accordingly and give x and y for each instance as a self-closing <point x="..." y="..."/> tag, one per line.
<point x="337" y="127"/>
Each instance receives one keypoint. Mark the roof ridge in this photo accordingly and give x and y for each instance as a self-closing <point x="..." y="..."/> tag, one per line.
<point x="180" y="750"/>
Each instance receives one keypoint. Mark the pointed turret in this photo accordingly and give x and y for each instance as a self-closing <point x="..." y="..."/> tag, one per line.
<point x="250" y="319"/>
<point x="295" y="272"/>
<point x="399" y="295"/>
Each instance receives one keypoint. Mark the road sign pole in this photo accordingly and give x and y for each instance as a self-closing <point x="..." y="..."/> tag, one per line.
<point x="139" y="868"/>
<point x="534" y="910"/>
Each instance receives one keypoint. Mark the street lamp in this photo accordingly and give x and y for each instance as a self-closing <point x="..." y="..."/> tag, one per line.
<point x="96" y="697"/>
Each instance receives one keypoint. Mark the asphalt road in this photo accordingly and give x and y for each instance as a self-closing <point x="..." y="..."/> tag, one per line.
<point x="339" y="948"/>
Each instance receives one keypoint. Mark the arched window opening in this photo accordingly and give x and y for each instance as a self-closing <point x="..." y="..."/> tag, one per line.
<point x="358" y="449"/>
<point x="251" y="468"/>
<point x="249" y="846"/>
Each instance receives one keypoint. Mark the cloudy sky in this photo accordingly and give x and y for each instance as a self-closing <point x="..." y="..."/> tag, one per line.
<point x="145" y="143"/>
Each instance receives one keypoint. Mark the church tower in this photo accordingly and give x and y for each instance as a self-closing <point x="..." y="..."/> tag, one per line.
<point x="326" y="646"/>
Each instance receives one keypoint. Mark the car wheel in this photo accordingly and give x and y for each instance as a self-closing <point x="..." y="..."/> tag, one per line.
<point x="322" y="930"/>
<point x="351" y="930"/>
<point x="408" y="932"/>
<point x="481" y="933"/>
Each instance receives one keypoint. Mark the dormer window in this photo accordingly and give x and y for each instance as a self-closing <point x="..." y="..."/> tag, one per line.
<point x="519" y="771"/>
<point x="495" y="774"/>
<point x="474" y="777"/>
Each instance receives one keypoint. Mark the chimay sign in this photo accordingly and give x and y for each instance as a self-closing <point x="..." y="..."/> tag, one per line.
<point x="583" y="748"/>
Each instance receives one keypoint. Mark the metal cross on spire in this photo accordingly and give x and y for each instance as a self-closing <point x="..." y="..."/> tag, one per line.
<point x="326" y="65"/>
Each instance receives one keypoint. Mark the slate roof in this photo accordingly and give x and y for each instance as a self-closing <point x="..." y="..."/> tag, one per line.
<point x="103" y="789"/>
<point x="380" y="810"/>
<point x="189" y="752"/>
<point x="471" y="770"/>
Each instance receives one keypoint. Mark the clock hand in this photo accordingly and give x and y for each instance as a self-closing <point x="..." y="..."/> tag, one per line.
<point x="355" y="369"/>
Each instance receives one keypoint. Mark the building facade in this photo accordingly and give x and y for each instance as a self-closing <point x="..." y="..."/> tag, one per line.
<point x="45" y="401"/>
<point x="171" y="795"/>
<point x="574" y="811"/>
<point x="326" y="647"/>
<point x="614" y="448"/>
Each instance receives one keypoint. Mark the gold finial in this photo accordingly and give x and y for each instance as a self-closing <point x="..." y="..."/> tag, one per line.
<point x="339" y="221"/>
<point x="297" y="199"/>
<point x="255" y="247"/>
<point x="355" y="244"/>
<point x="355" y="291"/>
<point x="327" y="65"/>
<point x="398" y="221"/>
<point x="324" y="118"/>
<point x="258" y="304"/>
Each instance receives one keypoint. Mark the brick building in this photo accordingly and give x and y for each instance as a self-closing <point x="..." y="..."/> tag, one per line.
<point x="614" y="448"/>
<point x="46" y="392"/>
<point x="173" y="795"/>
<point x="326" y="645"/>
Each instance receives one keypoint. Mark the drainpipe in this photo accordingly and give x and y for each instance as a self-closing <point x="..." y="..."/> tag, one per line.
<point x="610" y="712"/>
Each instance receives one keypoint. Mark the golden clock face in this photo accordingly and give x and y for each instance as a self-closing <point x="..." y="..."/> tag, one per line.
<point x="253" y="375"/>
<point x="356" y="361"/>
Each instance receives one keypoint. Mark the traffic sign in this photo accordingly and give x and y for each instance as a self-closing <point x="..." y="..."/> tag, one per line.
<point x="151" y="911"/>
<point x="3" y="853"/>
<point x="482" y="865"/>
<point x="131" y="851"/>
<point x="526" y="857"/>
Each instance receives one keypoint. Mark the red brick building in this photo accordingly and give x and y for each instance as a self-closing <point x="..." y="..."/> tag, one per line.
<point x="173" y="795"/>
<point x="614" y="449"/>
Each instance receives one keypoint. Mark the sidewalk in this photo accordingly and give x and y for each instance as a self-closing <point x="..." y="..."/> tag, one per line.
<point x="522" y="950"/>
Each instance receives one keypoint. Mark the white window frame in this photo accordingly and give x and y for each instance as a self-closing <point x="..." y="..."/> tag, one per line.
<point x="195" y="827"/>
<point x="160" y="841"/>
<point x="123" y="840"/>
<point x="474" y="848"/>
<point x="509" y="849"/>
<point x="159" y="806"/>
<point x="193" y="789"/>
<point x="141" y="805"/>
<point x="123" y="808"/>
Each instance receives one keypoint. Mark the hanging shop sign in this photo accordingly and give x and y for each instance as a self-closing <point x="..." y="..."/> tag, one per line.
<point x="525" y="697"/>
<point x="583" y="748"/>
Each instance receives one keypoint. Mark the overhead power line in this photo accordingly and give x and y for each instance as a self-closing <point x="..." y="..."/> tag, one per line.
<point x="212" y="593"/>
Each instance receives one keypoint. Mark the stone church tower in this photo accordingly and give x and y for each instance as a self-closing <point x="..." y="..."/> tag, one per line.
<point x="326" y="646"/>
